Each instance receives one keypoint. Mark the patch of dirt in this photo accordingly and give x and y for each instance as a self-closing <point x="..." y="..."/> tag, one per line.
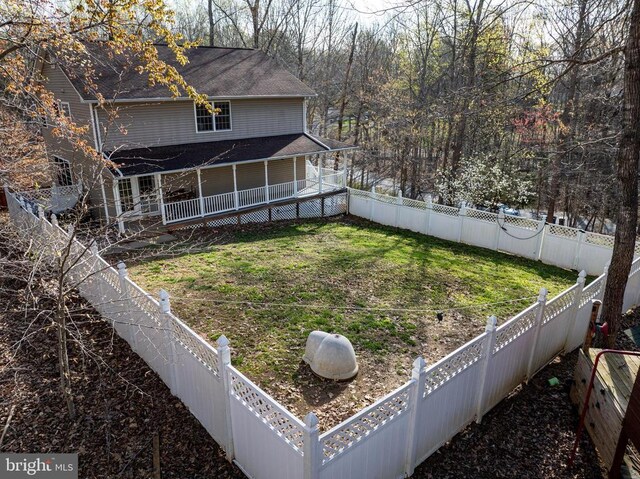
<point x="120" y="403"/>
<point x="336" y="401"/>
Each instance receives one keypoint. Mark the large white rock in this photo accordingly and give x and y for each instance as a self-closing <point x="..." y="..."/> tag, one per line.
<point x="330" y="356"/>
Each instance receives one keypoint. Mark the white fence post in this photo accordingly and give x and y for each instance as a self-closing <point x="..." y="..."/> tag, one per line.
<point x="312" y="452"/>
<point x="97" y="275"/>
<point x="574" y="308"/>
<point x="125" y="305"/>
<point x="490" y="342"/>
<point x="576" y="257"/>
<point x="603" y="286"/>
<point x="542" y="227"/>
<point x="461" y="214"/>
<point x="499" y="225"/>
<point x="372" y="197"/>
<point x="427" y="218"/>
<point x="398" y="207"/>
<point x="419" y="378"/>
<point x="224" y="360"/>
<point x="167" y="325"/>
<point x="542" y="302"/>
<point x="605" y="272"/>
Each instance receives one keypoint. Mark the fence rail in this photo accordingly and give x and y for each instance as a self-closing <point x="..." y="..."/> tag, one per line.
<point x="387" y="439"/>
<point x="552" y="244"/>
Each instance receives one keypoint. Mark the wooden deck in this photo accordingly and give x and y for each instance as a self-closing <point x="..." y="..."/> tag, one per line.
<point x="609" y="399"/>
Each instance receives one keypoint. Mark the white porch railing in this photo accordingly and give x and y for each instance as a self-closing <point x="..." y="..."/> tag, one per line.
<point x="194" y="208"/>
<point x="218" y="203"/>
<point x="252" y="196"/>
<point x="55" y="199"/>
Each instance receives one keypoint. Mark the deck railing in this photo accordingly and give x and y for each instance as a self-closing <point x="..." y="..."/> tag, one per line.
<point x="185" y="210"/>
<point x="56" y="198"/>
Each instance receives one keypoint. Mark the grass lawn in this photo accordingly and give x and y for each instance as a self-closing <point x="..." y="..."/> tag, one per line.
<point x="314" y="272"/>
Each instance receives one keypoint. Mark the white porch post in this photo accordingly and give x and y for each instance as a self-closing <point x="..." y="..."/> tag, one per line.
<point x="235" y="187"/>
<point x="200" y="193"/>
<point x="320" y="156"/>
<point x="344" y="170"/>
<point x="104" y="198"/>
<point x="116" y="195"/>
<point x="161" y="198"/>
<point x="295" y="177"/>
<point x="266" y="181"/>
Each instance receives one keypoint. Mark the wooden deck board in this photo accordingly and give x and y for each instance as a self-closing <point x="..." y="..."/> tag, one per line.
<point x="617" y="373"/>
<point x="609" y="400"/>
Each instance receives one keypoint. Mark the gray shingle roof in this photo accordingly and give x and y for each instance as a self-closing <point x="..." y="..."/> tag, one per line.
<point x="140" y="161"/>
<point x="216" y="72"/>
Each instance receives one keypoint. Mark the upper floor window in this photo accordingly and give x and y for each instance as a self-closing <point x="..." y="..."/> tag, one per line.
<point x="65" y="109"/>
<point x="60" y="108"/>
<point x="220" y="120"/>
<point x="64" y="176"/>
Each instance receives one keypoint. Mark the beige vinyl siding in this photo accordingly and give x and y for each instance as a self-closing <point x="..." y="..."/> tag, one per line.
<point x="84" y="168"/>
<point x="173" y="122"/>
<point x="219" y="180"/>
<point x="56" y="82"/>
<point x="250" y="175"/>
<point x="281" y="171"/>
<point x="216" y="181"/>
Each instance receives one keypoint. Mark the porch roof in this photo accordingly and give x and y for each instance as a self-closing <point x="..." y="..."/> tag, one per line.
<point x="161" y="159"/>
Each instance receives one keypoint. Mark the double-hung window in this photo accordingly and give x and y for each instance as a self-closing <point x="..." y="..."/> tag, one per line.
<point x="219" y="120"/>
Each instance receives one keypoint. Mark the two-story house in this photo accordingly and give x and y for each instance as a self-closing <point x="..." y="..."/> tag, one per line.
<point x="177" y="160"/>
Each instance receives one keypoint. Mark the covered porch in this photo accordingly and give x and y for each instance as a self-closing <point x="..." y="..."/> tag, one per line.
<point x="218" y="187"/>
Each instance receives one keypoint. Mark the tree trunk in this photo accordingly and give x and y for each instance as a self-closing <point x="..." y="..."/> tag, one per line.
<point x="63" y="356"/>
<point x="345" y="85"/>
<point x="566" y="119"/>
<point x="210" y="13"/>
<point x="627" y="171"/>
<point x="470" y="82"/>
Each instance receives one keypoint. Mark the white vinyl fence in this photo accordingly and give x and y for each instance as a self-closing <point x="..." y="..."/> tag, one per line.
<point x="552" y="244"/>
<point x="386" y="440"/>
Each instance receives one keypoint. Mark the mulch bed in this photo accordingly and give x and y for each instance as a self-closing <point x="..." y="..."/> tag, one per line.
<point x="120" y="404"/>
<point x="528" y="435"/>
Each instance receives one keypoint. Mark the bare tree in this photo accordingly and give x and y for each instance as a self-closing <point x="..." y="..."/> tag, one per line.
<point x="627" y="170"/>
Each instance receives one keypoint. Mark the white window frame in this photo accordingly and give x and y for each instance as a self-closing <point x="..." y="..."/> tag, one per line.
<point x="57" y="160"/>
<point x="140" y="201"/>
<point x="61" y="109"/>
<point x="213" y="117"/>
